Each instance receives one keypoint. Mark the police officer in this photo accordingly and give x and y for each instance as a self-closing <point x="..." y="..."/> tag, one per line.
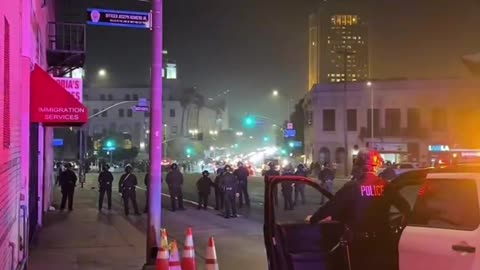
<point x="204" y="185"/>
<point x="326" y="177"/>
<point x="272" y="172"/>
<point x="175" y="181"/>
<point x="105" y="180"/>
<point x="363" y="206"/>
<point x="127" y="184"/>
<point x="68" y="181"/>
<point x="229" y="184"/>
<point x="389" y="173"/>
<point x="146" y="181"/>
<point x="242" y="175"/>
<point x="219" y="196"/>
<point x="287" y="189"/>
<point x="300" y="187"/>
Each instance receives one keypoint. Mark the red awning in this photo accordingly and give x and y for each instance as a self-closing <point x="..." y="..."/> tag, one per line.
<point x="51" y="104"/>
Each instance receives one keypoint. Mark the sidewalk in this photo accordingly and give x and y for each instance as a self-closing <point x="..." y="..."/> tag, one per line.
<point x="87" y="239"/>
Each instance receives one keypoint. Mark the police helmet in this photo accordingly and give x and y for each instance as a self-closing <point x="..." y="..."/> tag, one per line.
<point x="227" y="168"/>
<point x="68" y="165"/>
<point x="240" y="164"/>
<point x="105" y="167"/>
<point x="300" y="166"/>
<point x="271" y="165"/>
<point x="205" y="173"/>
<point x="128" y="168"/>
<point x="369" y="160"/>
<point x="219" y="171"/>
<point x="174" y="166"/>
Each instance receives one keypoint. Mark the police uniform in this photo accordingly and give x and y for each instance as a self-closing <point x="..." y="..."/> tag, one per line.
<point x="219" y="196"/>
<point x="127" y="184"/>
<point x="68" y="181"/>
<point x="242" y="175"/>
<point x="287" y="191"/>
<point x="300" y="187"/>
<point x="204" y="185"/>
<point x="175" y="181"/>
<point x="363" y="206"/>
<point x="105" y="180"/>
<point x="270" y="173"/>
<point x="229" y="185"/>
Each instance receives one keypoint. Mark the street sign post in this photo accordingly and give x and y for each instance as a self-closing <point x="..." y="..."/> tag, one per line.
<point x="119" y="18"/>
<point x="290" y="133"/>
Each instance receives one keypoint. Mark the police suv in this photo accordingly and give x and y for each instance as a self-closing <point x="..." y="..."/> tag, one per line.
<point x="442" y="232"/>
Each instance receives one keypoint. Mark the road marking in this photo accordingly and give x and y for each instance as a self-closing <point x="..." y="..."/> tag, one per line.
<point x="185" y="200"/>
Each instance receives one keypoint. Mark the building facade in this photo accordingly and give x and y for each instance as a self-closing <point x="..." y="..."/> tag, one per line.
<point x="338" y="43"/>
<point x="179" y="121"/>
<point x="401" y="118"/>
<point x="25" y="186"/>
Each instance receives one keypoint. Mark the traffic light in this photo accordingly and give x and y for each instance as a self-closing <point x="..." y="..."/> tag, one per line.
<point x="189" y="151"/>
<point x="250" y="121"/>
<point x="266" y="139"/>
<point x="283" y="151"/>
<point x="291" y="144"/>
<point x="110" y="145"/>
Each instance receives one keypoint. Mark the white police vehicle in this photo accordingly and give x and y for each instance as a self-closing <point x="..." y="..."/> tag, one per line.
<point x="442" y="232"/>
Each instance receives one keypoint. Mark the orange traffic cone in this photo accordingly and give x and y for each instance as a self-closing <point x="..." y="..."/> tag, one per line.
<point x="174" y="262"/>
<point x="162" y="254"/>
<point x="211" y="258"/>
<point x="188" y="258"/>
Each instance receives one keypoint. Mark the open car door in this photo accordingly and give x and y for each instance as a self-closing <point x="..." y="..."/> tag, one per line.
<point x="292" y="243"/>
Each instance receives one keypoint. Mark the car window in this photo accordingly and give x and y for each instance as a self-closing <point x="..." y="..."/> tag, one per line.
<point x="296" y="201"/>
<point x="447" y="204"/>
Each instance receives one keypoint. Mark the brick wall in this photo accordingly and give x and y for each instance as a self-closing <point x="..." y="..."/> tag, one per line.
<point x="10" y="136"/>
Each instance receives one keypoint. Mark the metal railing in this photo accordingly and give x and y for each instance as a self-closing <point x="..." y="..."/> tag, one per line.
<point x="67" y="37"/>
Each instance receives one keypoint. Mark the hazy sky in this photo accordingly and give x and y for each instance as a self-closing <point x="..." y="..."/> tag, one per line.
<point x="253" y="46"/>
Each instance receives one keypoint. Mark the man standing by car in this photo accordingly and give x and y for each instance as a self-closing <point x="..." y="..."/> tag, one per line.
<point x="287" y="189"/>
<point x="364" y="206"/>
<point x="272" y="172"/>
<point x="326" y="177"/>
<point x="175" y="181"/>
<point x="68" y="181"/>
<point x="242" y="175"/>
<point x="229" y="184"/>
<point x="105" y="180"/>
<point x="127" y="185"/>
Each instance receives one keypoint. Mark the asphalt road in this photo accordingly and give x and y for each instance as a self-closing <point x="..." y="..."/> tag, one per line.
<point x="238" y="240"/>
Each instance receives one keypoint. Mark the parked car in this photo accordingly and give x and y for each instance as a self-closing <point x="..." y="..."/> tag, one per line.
<point x="442" y="232"/>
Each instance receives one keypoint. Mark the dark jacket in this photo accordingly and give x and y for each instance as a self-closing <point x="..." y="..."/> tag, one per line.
<point x="242" y="174"/>
<point x="68" y="179"/>
<point x="271" y="173"/>
<point x="204" y="184"/>
<point x="301" y="173"/>
<point x="363" y="205"/>
<point x="127" y="181"/>
<point x="174" y="180"/>
<point x="388" y="174"/>
<point x="287" y="187"/>
<point x="105" y="179"/>
<point x="146" y="180"/>
<point x="229" y="183"/>
<point x="326" y="174"/>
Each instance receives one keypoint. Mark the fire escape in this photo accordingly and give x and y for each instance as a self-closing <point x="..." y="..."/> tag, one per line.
<point x="66" y="47"/>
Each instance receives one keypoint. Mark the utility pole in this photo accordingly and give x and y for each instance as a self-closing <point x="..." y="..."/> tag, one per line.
<point x="156" y="138"/>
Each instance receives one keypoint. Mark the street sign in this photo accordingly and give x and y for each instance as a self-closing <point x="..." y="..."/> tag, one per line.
<point x="111" y="148"/>
<point x="288" y="133"/>
<point x="140" y="109"/>
<point x="289" y="125"/>
<point x="120" y="18"/>
<point x="57" y="142"/>
<point x="142" y="102"/>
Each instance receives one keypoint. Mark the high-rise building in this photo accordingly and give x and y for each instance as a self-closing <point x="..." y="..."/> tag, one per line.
<point x="338" y="43"/>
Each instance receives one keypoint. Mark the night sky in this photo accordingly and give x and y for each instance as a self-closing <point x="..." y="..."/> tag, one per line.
<point x="253" y="46"/>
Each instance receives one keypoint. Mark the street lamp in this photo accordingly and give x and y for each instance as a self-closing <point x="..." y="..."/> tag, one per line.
<point x="275" y="93"/>
<point x="102" y="73"/>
